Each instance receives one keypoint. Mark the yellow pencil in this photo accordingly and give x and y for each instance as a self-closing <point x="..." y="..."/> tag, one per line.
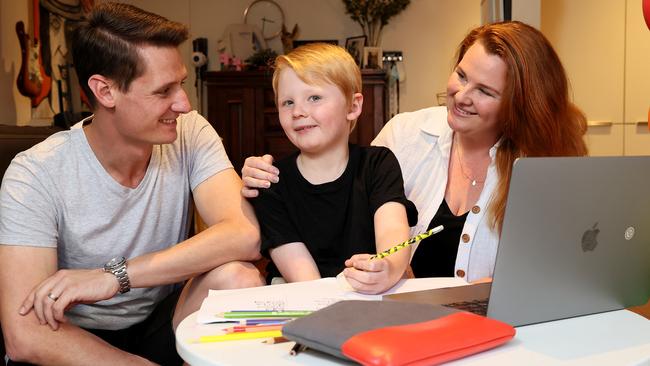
<point x="237" y="336"/>
<point x="405" y="244"/>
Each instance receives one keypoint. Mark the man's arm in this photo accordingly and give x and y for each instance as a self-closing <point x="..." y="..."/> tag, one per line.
<point x="21" y="269"/>
<point x="233" y="234"/>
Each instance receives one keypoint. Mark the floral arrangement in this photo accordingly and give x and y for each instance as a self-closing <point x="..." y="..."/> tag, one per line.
<point x="373" y="15"/>
<point x="261" y="60"/>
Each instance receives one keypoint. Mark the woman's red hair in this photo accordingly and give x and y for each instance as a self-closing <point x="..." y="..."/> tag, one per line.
<point x="537" y="117"/>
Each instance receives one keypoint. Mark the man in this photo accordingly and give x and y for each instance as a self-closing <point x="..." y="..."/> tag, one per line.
<point x="93" y="221"/>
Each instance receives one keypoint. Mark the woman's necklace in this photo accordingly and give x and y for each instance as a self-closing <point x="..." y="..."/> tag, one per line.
<point x="474" y="181"/>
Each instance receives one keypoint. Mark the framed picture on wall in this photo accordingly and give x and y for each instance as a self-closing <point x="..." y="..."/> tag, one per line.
<point x="372" y="58"/>
<point x="355" y="46"/>
<point x="300" y="42"/>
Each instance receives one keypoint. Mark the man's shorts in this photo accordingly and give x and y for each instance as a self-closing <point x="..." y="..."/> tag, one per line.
<point x="152" y="339"/>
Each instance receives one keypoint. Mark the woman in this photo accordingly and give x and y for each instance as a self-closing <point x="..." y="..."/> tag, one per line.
<point x="507" y="97"/>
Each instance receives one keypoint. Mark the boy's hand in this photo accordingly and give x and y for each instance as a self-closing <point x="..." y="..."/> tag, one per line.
<point x="368" y="276"/>
<point x="258" y="172"/>
<point x="408" y="273"/>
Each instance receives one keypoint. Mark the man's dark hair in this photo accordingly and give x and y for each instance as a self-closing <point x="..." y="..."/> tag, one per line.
<point x="106" y="42"/>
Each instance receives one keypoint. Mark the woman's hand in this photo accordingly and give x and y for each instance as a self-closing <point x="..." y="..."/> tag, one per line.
<point x="258" y="172"/>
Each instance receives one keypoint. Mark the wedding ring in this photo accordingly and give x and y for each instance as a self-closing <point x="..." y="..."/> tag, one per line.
<point x="52" y="297"/>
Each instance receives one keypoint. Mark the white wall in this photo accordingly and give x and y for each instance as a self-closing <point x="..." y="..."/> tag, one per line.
<point x="528" y="11"/>
<point x="14" y="108"/>
<point x="428" y="32"/>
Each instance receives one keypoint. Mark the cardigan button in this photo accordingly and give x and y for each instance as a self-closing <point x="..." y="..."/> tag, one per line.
<point x="460" y="273"/>
<point x="476" y="209"/>
<point x="465" y="238"/>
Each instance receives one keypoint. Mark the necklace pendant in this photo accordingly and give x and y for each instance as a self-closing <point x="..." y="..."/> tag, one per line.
<point x="473" y="183"/>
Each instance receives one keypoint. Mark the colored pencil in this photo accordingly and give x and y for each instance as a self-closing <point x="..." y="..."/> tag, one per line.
<point x="263" y="321"/>
<point x="276" y="340"/>
<point x="238" y="336"/>
<point x="297" y="348"/>
<point x="410" y="241"/>
<point x="253" y="328"/>
<point x="264" y="314"/>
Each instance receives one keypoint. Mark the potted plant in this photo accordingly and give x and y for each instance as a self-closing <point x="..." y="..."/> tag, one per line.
<point x="261" y="60"/>
<point x="373" y="15"/>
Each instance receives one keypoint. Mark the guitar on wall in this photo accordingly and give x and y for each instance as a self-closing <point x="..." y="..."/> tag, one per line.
<point x="32" y="80"/>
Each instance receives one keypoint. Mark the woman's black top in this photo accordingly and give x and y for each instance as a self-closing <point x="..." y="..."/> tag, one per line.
<point x="436" y="255"/>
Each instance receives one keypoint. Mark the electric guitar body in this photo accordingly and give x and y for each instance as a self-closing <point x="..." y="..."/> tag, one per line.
<point x="32" y="81"/>
<point x="29" y="81"/>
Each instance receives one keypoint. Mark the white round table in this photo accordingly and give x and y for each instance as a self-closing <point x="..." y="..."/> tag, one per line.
<point x="613" y="338"/>
<point x="247" y="352"/>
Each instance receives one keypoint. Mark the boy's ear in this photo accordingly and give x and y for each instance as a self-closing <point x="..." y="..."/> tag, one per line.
<point x="355" y="107"/>
<point x="102" y="88"/>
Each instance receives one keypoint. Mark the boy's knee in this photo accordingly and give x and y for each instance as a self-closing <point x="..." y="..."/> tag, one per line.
<point x="233" y="275"/>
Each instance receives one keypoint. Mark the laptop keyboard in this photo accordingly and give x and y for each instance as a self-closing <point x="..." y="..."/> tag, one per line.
<point x="475" y="306"/>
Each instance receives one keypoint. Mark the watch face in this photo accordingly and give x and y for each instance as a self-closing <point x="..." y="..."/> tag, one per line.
<point x="267" y="16"/>
<point x="114" y="262"/>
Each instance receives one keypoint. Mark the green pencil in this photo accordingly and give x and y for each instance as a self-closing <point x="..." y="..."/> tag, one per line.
<point x="264" y="314"/>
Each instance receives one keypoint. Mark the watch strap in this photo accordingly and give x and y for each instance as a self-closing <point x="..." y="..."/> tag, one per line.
<point x="117" y="266"/>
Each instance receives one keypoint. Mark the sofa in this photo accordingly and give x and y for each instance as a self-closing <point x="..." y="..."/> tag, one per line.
<point x="14" y="139"/>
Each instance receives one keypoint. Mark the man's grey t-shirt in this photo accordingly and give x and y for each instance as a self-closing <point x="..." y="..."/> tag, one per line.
<point x="58" y="195"/>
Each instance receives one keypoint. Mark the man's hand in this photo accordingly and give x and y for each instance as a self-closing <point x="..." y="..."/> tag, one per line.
<point x="52" y="297"/>
<point x="258" y="172"/>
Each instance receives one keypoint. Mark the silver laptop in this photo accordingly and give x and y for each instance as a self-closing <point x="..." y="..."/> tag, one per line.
<point x="575" y="241"/>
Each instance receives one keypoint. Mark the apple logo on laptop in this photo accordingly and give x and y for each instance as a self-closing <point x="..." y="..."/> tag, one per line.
<point x="589" y="238"/>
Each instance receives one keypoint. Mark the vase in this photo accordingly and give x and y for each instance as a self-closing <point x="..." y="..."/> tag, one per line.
<point x="372" y="31"/>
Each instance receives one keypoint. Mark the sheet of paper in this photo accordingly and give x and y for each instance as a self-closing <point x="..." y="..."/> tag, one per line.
<point x="309" y="295"/>
<point x="418" y="284"/>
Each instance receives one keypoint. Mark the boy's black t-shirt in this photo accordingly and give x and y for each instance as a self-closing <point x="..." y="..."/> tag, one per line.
<point x="335" y="220"/>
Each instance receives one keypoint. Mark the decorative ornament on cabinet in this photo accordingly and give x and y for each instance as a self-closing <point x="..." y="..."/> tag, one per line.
<point x="288" y="38"/>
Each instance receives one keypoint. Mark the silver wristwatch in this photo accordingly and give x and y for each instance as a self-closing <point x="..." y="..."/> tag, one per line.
<point x="117" y="266"/>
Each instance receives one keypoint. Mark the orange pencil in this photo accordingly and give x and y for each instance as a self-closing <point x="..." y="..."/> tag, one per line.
<point x="275" y="340"/>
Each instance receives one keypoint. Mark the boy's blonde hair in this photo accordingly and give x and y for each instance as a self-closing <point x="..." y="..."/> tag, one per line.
<point x="319" y="63"/>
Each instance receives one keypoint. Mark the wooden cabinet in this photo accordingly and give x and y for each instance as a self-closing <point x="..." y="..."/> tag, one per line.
<point x="241" y="107"/>
<point x="605" y="47"/>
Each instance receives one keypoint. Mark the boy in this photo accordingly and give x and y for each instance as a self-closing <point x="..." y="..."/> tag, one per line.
<point x="335" y="200"/>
